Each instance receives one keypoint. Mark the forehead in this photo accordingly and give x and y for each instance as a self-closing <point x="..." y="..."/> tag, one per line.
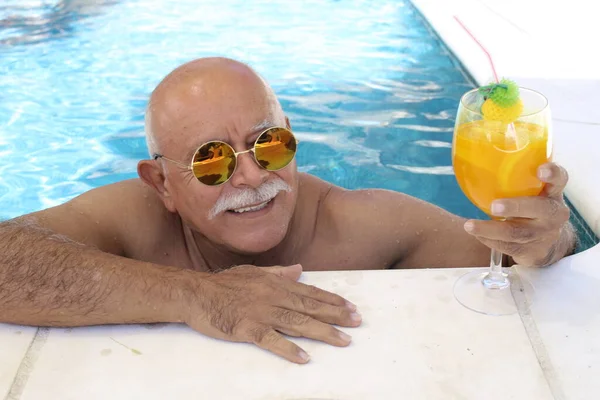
<point x="198" y="112"/>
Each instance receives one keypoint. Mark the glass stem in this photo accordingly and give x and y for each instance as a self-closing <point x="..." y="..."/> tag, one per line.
<point x="495" y="279"/>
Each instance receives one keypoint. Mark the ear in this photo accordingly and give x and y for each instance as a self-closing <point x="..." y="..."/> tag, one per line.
<point x="287" y="123"/>
<point x="152" y="175"/>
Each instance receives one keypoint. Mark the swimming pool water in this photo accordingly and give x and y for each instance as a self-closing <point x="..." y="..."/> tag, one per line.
<point x="370" y="90"/>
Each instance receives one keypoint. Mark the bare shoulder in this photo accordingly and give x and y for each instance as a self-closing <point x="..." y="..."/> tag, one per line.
<point x="377" y="213"/>
<point x="392" y="229"/>
<point x="356" y="229"/>
<point x="115" y="218"/>
<point x="362" y="205"/>
<point x="312" y="186"/>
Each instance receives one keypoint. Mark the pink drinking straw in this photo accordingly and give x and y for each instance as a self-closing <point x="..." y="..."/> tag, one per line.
<point x="480" y="45"/>
<point x="511" y="128"/>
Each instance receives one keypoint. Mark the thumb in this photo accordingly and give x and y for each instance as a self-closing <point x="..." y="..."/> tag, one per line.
<point x="292" y="272"/>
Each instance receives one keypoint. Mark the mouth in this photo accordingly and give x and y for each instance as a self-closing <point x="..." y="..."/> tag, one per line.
<point x="252" y="209"/>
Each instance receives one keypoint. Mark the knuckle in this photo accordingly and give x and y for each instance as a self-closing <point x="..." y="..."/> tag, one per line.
<point x="520" y="233"/>
<point x="296" y="300"/>
<point x="310" y="304"/>
<point x="269" y="338"/>
<point x="512" y="206"/>
<point x="261" y="334"/>
<point x="314" y="291"/>
<point x="288" y="317"/>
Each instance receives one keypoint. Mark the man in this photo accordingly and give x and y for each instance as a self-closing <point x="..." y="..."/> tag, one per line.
<point x="220" y="245"/>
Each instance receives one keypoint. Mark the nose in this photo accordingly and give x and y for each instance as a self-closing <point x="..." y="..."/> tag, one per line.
<point x="248" y="172"/>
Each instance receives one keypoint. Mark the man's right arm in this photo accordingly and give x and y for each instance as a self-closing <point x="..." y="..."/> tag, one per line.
<point x="48" y="279"/>
<point x="64" y="267"/>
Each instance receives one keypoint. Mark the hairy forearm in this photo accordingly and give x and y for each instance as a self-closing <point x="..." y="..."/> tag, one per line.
<point x="48" y="280"/>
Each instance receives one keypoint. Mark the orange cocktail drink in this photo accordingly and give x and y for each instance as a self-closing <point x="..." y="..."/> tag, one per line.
<point x="493" y="160"/>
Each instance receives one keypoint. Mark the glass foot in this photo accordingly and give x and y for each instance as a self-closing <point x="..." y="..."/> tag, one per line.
<point x="473" y="291"/>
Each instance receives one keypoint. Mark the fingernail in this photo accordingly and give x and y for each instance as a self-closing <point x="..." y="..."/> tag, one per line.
<point x="302" y="354"/>
<point x="345" y="337"/>
<point x="355" y="317"/>
<point x="469" y="226"/>
<point x="545" y="173"/>
<point x="498" y="208"/>
<point x="350" y="306"/>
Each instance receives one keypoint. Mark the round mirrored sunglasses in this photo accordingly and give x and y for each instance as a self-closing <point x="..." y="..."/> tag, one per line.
<point x="215" y="162"/>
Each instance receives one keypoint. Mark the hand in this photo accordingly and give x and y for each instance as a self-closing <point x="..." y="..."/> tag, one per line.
<point x="255" y="305"/>
<point x="536" y="232"/>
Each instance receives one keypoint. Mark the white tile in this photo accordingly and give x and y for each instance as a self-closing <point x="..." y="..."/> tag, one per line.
<point x="566" y="39"/>
<point x="571" y="100"/>
<point x="416" y="342"/>
<point x="511" y="49"/>
<point x="14" y="341"/>
<point x="566" y="310"/>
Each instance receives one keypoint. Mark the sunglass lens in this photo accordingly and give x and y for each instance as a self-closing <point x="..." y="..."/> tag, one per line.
<point x="214" y="163"/>
<point x="275" y="148"/>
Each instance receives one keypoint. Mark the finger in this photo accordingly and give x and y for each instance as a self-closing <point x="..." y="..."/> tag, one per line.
<point x="320" y="295"/>
<point x="267" y="338"/>
<point x="338" y="315"/>
<point x="517" y="232"/>
<point x="555" y="177"/>
<point x="523" y="254"/>
<point x="297" y="324"/>
<point x="291" y="272"/>
<point x="540" y="208"/>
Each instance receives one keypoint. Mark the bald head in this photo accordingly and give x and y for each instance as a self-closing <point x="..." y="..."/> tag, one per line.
<point x="204" y="97"/>
<point x="218" y="99"/>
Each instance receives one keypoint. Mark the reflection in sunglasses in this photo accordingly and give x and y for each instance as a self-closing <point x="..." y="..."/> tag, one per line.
<point x="215" y="162"/>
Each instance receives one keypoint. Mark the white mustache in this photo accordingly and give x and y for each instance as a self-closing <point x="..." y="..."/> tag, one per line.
<point x="249" y="197"/>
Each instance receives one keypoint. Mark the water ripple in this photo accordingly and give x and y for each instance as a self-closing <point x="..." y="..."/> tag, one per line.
<point x="369" y="90"/>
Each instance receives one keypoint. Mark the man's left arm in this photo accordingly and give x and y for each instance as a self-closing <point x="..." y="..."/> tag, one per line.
<point x="411" y="233"/>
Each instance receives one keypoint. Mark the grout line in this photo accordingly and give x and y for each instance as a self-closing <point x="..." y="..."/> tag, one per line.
<point x="572" y="121"/>
<point x="27" y="364"/>
<point x="537" y="344"/>
<point x="501" y="16"/>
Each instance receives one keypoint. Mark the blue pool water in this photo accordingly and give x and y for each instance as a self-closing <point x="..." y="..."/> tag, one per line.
<point x="369" y="88"/>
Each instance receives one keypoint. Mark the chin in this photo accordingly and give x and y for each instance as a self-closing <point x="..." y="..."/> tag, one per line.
<point x="260" y="230"/>
<point x="256" y="241"/>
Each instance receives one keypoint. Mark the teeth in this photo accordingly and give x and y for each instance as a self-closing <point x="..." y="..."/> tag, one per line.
<point x="253" y="208"/>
